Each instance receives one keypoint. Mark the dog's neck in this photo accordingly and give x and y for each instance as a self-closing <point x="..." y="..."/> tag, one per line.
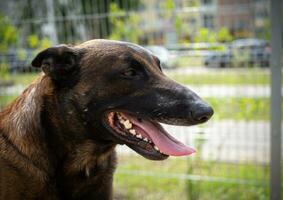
<point x="35" y="135"/>
<point x="20" y="122"/>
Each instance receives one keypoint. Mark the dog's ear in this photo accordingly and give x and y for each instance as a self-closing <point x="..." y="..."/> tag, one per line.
<point x="57" y="62"/>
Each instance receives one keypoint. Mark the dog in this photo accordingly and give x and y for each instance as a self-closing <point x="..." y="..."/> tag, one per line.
<point x="58" y="138"/>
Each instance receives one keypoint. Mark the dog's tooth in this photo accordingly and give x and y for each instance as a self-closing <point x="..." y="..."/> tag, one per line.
<point x="132" y="131"/>
<point x="145" y="139"/>
<point x="156" y="148"/>
<point x="128" y="124"/>
<point x="139" y="136"/>
<point x="119" y="117"/>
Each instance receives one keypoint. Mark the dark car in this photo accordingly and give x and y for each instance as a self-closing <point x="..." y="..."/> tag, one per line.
<point x="218" y="59"/>
<point x="18" y="61"/>
<point x="250" y="52"/>
<point x="242" y="52"/>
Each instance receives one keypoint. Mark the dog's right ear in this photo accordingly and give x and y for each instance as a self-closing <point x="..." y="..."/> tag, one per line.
<point x="57" y="62"/>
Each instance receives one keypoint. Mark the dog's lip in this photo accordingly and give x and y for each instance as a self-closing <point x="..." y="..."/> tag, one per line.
<point x="151" y="129"/>
<point x="140" y="146"/>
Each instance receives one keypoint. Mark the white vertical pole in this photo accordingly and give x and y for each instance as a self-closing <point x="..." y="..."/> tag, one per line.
<point x="275" y="105"/>
<point x="51" y="21"/>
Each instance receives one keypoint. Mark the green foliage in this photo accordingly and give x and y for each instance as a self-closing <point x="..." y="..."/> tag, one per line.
<point x="181" y="29"/>
<point x="265" y="31"/>
<point x="168" y="6"/>
<point x="36" y="43"/>
<point x="8" y="34"/>
<point x="9" y="39"/>
<point x="178" y="24"/>
<point x="124" y="27"/>
<point x="206" y="35"/>
<point x="3" y="71"/>
<point x="194" y="3"/>
<point x="32" y="41"/>
<point x="44" y="43"/>
<point x="224" y="35"/>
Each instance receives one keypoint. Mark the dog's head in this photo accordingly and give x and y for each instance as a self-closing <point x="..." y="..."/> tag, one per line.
<point x="117" y="93"/>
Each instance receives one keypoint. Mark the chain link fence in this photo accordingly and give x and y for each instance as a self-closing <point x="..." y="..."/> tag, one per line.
<point x="198" y="44"/>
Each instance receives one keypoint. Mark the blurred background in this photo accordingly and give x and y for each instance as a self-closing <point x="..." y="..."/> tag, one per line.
<point x="218" y="48"/>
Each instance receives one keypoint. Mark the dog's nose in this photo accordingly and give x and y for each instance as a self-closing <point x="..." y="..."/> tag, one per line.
<point x="201" y="112"/>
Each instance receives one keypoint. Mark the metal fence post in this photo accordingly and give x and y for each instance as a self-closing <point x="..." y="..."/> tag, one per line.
<point x="275" y="102"/>
<point x="51" y="21"/>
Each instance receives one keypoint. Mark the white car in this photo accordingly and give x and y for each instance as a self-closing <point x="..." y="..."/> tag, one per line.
<point x="167" y="60"/>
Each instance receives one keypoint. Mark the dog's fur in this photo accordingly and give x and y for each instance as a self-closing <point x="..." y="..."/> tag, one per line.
<point x="53" y="144"/>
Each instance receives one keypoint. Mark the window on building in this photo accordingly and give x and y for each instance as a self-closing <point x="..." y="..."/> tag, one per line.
<point x="207" y="1"/>
<point x="208" y="21"/>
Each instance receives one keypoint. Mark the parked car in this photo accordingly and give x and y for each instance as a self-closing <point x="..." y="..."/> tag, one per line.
<point x="168" y="61"/>
<point x="218" y="59"/>
<point x="250" y="52"/>
<point x="242" y="52"/>
<point x="17" y="62"/>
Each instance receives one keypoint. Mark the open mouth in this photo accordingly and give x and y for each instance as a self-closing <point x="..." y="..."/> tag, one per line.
<point x="145" y="136"/>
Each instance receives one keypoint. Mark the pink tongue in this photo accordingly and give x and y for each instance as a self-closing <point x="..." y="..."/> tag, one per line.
<point x="165" y="142"/>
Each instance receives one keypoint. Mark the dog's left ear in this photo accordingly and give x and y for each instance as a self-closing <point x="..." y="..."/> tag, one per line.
<point x="57" y="62"/>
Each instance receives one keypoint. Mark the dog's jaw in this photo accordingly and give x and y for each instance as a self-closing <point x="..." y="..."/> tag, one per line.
<point x="145" y="136"/>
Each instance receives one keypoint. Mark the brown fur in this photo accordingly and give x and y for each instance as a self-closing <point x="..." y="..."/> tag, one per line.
<point x="54" y="143"/>
<point x="26" y="172"/>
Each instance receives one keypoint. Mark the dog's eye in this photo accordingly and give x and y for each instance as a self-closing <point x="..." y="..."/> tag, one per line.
<point x="130" y="73"/>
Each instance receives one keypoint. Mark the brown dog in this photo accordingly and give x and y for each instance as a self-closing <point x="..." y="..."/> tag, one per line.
<point x="57" y="139"/>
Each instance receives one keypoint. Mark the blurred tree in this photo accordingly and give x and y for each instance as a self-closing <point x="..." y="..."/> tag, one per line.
<point x="8" y="38"/>
<point x="202" y="35"/>
<point x="169" y="13"/>
<point x="34" y="42"/>
<point x="223" y="35"/>
<point x="124" y="27"/>
<point x="76" y="20"/>
<point x="264" y="32"/>
<point x="103" y="25"/>
<point x="168" y="6"/>
<point x="8" y="34"/>
<point x="206" y="35"/>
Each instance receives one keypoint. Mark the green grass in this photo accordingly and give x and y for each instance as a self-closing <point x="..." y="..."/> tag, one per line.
<point x="254" y="77"/>
<point x="4" y="100"/>
<point x="16" y="79"/>
<point x="132" y="185"/>
<point x="189" y="61"/>
<point x="240" y="108"/>
<point x="21" y="78"/>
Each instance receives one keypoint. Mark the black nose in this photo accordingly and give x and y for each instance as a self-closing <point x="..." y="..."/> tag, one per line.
<point x="201" y="112"/>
